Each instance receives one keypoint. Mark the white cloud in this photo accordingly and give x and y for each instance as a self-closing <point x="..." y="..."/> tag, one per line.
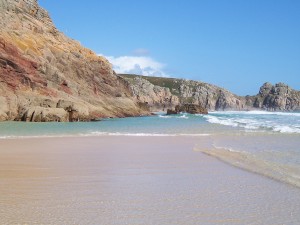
<point x="140" y="65"/>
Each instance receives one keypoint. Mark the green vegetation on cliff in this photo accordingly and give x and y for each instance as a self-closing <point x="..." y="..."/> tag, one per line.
<point x="172" y="83"/>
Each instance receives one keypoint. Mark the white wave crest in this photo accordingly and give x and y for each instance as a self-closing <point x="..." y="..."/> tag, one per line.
<point x="164" y="117"/>
<point x="183" y="116"/>
<point x="253" y="121"/>
<point x="227" y="122"/>
<point x="257" y="113"/>
<point x="286" y="129"/>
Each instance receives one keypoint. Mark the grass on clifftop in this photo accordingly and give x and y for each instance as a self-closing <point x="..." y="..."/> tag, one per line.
<point x="172" y="83"/>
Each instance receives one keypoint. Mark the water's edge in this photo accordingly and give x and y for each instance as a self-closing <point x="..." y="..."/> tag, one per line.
<point x="250" y="163"/>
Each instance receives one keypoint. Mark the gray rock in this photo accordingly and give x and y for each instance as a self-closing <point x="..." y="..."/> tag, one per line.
<point x="172" y="112"/>
<point x="191" y="108"/>
<point x="278" y="97"/>
<point x="265" y="89"/>
<point x="156" y="97"/>
<point x="180" y="92"/>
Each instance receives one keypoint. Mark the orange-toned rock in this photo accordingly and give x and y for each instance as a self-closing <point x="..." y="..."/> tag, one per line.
<point x="39" y="63"/>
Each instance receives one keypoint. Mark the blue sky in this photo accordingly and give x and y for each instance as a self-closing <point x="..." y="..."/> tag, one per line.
<point x="235" y="44"/>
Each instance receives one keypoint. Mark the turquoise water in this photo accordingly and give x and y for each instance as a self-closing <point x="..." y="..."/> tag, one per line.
<point x="268" y="141"/>
<point x="160" y="124"/>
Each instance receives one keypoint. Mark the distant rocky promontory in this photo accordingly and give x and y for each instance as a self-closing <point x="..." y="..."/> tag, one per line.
<point x="161" y="93"/>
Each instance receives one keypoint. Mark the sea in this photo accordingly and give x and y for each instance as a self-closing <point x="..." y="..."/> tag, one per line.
<point x="267" y="143"/>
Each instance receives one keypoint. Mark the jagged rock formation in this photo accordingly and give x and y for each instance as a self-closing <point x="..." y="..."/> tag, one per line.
<point x="46" y="76"/>
<point x="188" y="108"/>
<point x="279" y="97"/>
<point x="182" y="92"/>
<point x="154" y="96"/>
<point x="191" y="108"/>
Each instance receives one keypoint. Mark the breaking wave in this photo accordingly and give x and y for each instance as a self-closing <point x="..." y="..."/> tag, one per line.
<point x="180" y="116"/>
<point x="258" y="120"/>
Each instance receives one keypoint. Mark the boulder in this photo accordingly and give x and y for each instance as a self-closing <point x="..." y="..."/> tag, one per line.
<point x="191" y="108"/>
<point x="171" y="112"/>
<point x="188" y="108"/>
<point x="77" y="111"/>
<point x="41" y="114"/>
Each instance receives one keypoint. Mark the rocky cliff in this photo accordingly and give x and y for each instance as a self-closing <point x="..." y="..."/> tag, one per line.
<point x="46" y="76"/>
<point x="154" y="96"/>
<point x="180" y="91"/>
<point x="278" y="97"/>
<point x="161" y="93"/>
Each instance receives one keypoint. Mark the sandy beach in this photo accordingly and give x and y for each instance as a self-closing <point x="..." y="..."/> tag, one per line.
<point x="134" y="180"/>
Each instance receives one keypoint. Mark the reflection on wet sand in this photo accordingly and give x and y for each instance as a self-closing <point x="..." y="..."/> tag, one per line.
<point x="133" y="180"/>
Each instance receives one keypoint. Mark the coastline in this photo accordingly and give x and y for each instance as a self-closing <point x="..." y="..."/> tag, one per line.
<point x="250" y="163"/>
<point x="137" y="180"/>
<point x="223" y="157"/>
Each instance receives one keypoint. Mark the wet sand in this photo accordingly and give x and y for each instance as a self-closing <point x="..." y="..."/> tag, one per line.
<point x="134" y="180"/>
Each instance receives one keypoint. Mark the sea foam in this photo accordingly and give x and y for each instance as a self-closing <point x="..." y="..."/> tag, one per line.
<point x="257" y="120"/>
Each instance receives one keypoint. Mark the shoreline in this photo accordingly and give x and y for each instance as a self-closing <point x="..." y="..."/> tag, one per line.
<point x="137" y="180"/>
<point x="250" y="164"/>
<point x="104" y="134"/>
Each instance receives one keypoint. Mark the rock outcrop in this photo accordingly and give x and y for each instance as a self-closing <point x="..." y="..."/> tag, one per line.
<point x="278" y="97"/>
<point x="172" y="112"/>
<point x="181" y="92"/>
<point x="46" y="76"/>
<point x="154" y="96"/>
<point x="187" y="108"/>
<point x="191" y="108"/>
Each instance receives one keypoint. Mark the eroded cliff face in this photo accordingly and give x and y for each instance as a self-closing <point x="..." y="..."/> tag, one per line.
<point x="209" y="96"/>
<point x="173" y="92"/>
<point x="278" y="97"/>
<point x="155" y="97"/>
<point x="180" y="92"/>
<point x="46" y="76"/>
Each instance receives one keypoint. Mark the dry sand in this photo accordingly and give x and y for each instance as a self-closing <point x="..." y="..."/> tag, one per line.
<point x="134" y="180"/>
